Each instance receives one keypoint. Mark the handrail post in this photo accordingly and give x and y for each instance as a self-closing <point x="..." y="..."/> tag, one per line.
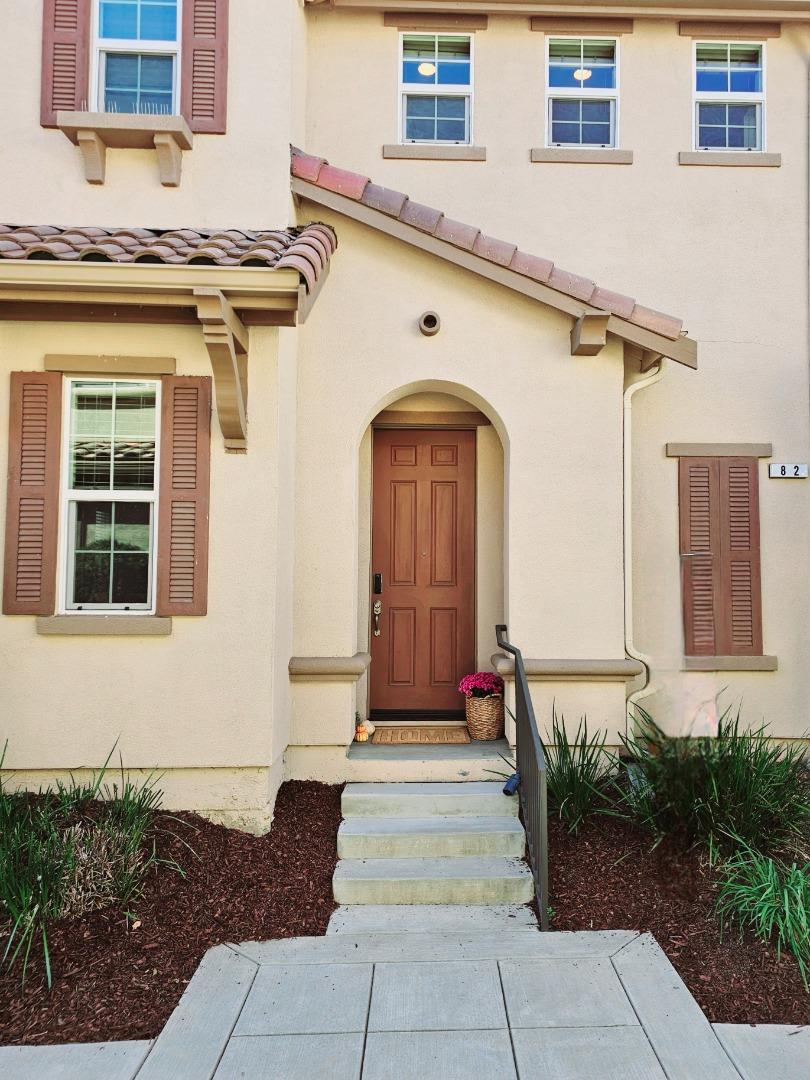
<point x="531" y="766"/>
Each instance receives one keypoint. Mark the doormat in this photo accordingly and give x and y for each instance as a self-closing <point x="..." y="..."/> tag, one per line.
<point x="420" y="734"/>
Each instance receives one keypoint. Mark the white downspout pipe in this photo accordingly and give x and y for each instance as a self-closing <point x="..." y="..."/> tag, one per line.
<point x="640" y="384"/>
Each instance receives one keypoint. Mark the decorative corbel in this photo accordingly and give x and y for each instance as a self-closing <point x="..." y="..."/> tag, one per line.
<point x="226" y="339"/>
<point x="589" y="334"/>
<point x="645" y="358"/>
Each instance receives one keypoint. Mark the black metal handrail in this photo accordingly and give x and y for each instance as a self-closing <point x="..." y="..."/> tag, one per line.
<point x="531" y="767"/>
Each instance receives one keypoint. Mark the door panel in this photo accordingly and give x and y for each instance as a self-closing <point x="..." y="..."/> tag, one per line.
<point x="423" y="544"/>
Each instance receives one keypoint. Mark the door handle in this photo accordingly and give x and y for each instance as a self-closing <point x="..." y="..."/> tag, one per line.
<point x="377" y="610"/>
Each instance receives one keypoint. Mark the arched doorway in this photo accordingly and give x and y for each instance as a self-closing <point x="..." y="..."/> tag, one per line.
<point x="431" y="559"/>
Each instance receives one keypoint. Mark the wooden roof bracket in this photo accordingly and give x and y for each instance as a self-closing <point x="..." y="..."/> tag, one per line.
<point x="589" y="334"/>
<point x="226" y="339"/>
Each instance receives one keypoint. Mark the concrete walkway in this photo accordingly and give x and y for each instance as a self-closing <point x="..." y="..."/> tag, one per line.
<point x="515" y="1005"/>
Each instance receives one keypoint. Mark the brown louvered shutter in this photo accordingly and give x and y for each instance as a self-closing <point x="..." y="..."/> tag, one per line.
<point x="185" y="434"/>
<point x="65" y="57"/>
<point x="32" y="512"/>
<point x="720" y="571"/>
<point x="204" y="82"/>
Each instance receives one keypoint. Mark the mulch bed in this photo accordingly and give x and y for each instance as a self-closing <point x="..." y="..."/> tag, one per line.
<point x="608" y="877"/>
<point x="115" y="982"/>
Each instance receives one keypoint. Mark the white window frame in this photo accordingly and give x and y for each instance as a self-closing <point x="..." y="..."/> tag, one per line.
<point x="405" y="90"/>
<point x="610" y="94"/>
<point x="729" y="97"/>
<point x="68" y="495"/>
<point x="101" y="46"/>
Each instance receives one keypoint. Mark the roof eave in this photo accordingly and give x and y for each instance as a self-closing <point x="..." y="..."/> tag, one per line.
<point x="782" y="10"/>
<point x="683" y="349"/>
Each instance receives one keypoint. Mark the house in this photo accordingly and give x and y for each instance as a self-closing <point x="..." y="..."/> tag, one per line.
<point x="517" y="332"/>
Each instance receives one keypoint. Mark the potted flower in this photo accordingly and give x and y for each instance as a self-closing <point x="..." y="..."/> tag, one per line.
<point x="483" y="692"/>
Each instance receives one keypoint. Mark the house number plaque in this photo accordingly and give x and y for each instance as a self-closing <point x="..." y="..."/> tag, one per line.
<point x="788" y="471"/>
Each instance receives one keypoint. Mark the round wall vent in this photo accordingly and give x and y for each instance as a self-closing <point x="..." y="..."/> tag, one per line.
<point x="429" y="323"/>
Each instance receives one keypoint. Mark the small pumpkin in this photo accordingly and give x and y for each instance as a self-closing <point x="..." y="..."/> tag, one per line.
<point x="360" y="733"/>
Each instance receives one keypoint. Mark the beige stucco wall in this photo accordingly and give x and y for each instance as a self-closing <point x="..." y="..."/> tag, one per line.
<point x="726" y="248"/>
<point x="208" y="705"/>
<point x="558" y="419"/>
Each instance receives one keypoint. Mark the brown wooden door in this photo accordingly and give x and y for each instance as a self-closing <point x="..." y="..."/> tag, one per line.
<point x="423" y="545"/>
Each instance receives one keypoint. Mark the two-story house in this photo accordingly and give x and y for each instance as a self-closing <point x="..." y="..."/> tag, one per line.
<point x="288" y="434"/>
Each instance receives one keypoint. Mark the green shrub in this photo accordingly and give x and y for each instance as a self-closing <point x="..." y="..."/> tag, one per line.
<point x="770" y="898"/>
<point x="738" y="787"/>
<point x="577" y="772"/>
<point x="68" y="851"/>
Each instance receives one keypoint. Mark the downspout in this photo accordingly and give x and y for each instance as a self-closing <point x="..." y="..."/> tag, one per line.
<point x="629" y="647"/>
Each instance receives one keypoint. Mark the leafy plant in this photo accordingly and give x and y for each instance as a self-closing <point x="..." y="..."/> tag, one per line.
<point x="577" y="772"/>
<point x="738" y="787"/>
<point x="770" y="898"/>
<point x="70" y="850"/>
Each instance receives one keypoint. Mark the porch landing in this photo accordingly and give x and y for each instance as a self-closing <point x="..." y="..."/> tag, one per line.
<point x="505" y="1006"/>
<point x="366" y="762"/>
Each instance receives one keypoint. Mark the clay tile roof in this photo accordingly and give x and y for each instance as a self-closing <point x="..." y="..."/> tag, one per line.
<point x="355" y="186"/>
<point x="305" y="248"/>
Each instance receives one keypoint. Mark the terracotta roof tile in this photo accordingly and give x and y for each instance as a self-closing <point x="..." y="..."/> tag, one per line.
<point x="306" y="248"/>
<point x="469" y="237"/>
<point x="384" y="199"/>
<point x="424" y="218"/>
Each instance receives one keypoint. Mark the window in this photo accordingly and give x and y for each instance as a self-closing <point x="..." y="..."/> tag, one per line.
<point x="137" y="56"/>
<point x="436" y="88"/>
<point x="729" y="96"/>
<point x="582" y="92"/>
<point x="110" y="491"/>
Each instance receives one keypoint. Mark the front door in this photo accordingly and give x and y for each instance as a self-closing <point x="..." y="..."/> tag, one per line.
<point x="423" y="569"/>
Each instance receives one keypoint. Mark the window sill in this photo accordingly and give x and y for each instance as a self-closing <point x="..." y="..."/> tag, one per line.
<point x="584" y="156"/>
<point x="94" y="132"/>
<point x="750" y="158"/>
<point x="730" y="663"/>
<point x="426" y="152"/>
<point x="104" y="625"/>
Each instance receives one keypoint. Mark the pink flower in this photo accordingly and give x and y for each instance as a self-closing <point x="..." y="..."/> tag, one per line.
<point x="481" y="684"/>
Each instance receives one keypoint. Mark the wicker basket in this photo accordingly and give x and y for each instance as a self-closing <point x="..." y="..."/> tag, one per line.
<point x="485" y="717"/>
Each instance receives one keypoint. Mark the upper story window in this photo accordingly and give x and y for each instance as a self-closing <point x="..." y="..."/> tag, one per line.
<point x="109" y="494"/>
<point x="436" y="88"/>
<point x="729" y="96"/>
<point x="582" y="92"/>
<point x="136" y="56"/>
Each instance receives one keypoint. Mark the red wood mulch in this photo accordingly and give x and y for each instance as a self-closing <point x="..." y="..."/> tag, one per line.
<point x="608" y="877"/>
<point x="111" y="982"/>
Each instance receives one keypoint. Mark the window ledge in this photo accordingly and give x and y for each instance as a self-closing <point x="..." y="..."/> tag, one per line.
<point x="750" y="158"/>
<point x="105" y="625"/>
<point x="582" y="156"/>
<point x="94" y="132"/>
<point x="426" y="152"/>
<point x="730" y="663"/>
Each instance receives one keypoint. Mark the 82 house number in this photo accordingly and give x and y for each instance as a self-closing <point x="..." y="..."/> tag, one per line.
<point x="787" y="471"/>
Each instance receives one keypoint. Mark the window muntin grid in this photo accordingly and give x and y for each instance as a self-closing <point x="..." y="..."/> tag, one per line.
<point x="436" y="88"/>
<point x="110" y="495"/>
<point x="137" y="56"/>
<point x="729" y="96"/>
<point x="582" y="92"/>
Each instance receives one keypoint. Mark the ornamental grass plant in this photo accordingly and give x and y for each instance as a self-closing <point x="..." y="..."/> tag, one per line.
<point x="740" y="787"/>
<point x="68" y="851"/>
<point x="578" y="772"/>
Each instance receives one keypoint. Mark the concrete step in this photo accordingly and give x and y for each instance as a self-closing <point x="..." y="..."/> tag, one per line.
<point x="492" y="879"/>
<point x="361" y="919"/>
<point x="474" y="798"/>
<point x="369" y="837"/>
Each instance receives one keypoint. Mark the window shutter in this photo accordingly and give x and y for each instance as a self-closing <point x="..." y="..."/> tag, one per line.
<point x="204" y="83"/>
<point x="739" y="537"/>
<point x="720" y="571"/>
<point x="65" y="57"/>
<point x="182" y="568"/>
<point x="32" y="513"/>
